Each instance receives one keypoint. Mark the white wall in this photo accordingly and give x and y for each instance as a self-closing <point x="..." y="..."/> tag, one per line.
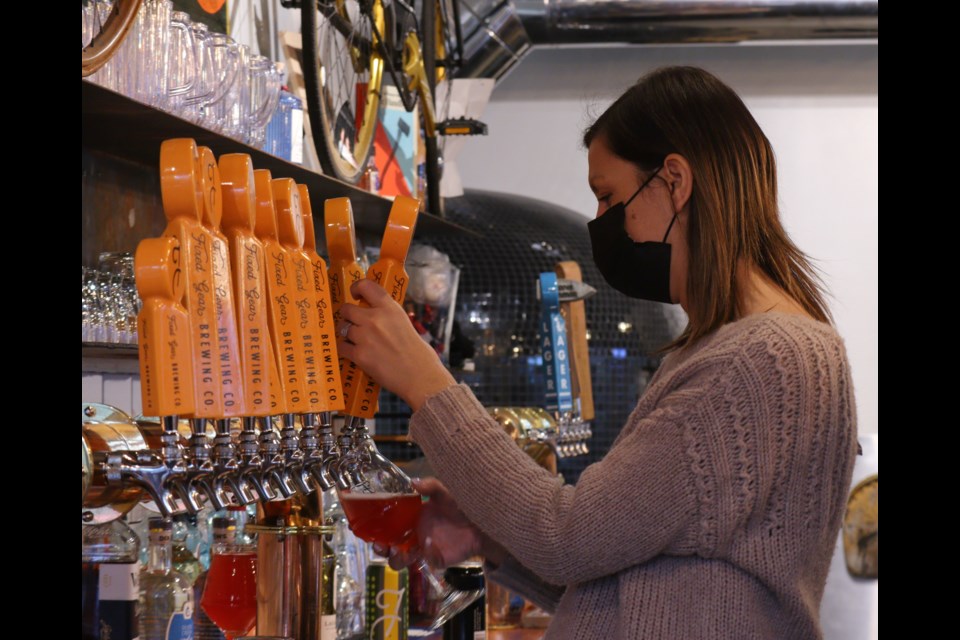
<point x="818" y="104"/>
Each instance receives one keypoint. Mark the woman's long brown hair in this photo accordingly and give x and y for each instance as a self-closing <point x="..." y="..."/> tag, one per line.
<point x="733" y="208"/>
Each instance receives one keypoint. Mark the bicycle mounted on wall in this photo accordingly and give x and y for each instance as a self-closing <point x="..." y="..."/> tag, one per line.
<point x="348" y="45"/>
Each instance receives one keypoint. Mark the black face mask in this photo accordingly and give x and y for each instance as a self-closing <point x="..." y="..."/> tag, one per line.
<point x="637" y="269"/>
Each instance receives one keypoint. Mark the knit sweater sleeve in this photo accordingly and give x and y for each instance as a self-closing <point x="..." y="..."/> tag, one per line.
<point x="644" y="498"/>
<point x="694" y="465"/>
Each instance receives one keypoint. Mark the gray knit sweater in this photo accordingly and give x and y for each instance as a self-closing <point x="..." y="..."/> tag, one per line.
<point x="714" y="514"/>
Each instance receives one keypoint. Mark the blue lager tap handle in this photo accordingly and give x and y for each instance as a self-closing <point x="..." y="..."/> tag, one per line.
<point x="553" y="336"/>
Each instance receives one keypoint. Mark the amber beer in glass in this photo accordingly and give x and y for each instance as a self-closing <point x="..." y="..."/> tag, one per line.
<point x="386" y="518"/>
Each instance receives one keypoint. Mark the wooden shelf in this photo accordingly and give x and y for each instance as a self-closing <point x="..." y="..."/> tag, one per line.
<point x="105" y="357"/>
<point x="119" y="126"/>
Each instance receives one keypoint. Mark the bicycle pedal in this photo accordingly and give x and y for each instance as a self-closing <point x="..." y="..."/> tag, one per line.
<point x="461" y="127"/>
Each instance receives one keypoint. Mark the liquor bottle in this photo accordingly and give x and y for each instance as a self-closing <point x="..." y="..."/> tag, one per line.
<point x="166" y="597"/>
<point x="387" y="608"/>
<point x="328" y="610"/>
<point x="109" y="590"/>
<point x="185" y="544"/>
<point x="349" y="571"/>
<point x="240" y="516"/>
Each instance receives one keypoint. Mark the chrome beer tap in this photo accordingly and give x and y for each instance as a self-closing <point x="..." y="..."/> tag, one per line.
<point x="227" y="467"/>
<point x="322" y="469"/>
<point x="250" y="467"/>
<point x="317" y="440"/>
<point x="293" y="458"/>
<point x="288" y="390"/>
<point x="119" y="466"/>
<point x="273" y="465"/>
<point x="346" y="468"/>
<point x="166" y="375"/>
<point x="145" y="469"/>
<point x="199" y="468"/>
<point x="179" y="479"/>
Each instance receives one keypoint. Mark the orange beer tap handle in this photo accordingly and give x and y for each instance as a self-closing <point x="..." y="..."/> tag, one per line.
<point x="286" y="198"/>
<point x="248" y="269"/>
<point x="181" y="191"/>
<point x="228" y="342"/>
<point x="166" y="377"/>
<point x="389" y="273"/>
<point x="344" y="270"/>
<point x="329" y="362"/>
<point x="281" y="311"/>
<point x="344" y="267"/>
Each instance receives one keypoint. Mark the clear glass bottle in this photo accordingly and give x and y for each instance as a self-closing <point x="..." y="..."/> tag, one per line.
<point x="349" y="571"/>
<point x="109" y="585"/>
<point x="240" y="515"/>
<point x="166" y="597"/>
<point x="328" y="609"/>
<point x="184" y="544"/>
<point x="284" y="133"/>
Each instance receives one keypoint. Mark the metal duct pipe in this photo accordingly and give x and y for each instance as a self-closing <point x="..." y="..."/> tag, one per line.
<point x="494" y="39"/>
<point x="695" y="21"/>
<point x="498" y="33"/>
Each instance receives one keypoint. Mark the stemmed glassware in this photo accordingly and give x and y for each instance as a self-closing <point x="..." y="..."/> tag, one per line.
<point x="230" y="592"/>
<point x="382" y="506"/>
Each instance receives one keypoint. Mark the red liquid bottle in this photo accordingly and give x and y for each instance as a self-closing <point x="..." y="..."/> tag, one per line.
<point x="230" y="593"/>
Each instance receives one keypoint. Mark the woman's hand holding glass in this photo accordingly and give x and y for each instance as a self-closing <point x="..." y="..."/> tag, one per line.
<point x="445" y="536"/>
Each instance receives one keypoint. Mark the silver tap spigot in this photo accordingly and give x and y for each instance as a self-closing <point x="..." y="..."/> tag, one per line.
<point x="250" y="470"/>
<point x="346" y="470"/>
<point x="176" y="479"/>
<point x="200" y="468"/>
<point x="322" y="470"/>
<point x="226" y="467"/>
<point x="272" y="467"/>
<point x="293" y="458"/>
<point x="310" y="450"/>
<point x="145" y="469"/>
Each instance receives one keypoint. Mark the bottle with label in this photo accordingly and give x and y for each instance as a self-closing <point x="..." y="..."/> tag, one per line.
<point x="109" y="585"/>
<point x="469" y="624"/>
<point x="166" y="597"/>
<point x="185" y="544"/>
<point x="328" y="611"/>
<point x="387" y="615"/>
<point x="349" y="571"/>
<point x="240" y="515"/>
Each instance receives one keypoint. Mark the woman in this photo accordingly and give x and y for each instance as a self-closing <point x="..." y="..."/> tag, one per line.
<point x="716" y="511"/>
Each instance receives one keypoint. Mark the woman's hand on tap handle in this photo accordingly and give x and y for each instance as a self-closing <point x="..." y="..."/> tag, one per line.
<point x="381" y="340"/>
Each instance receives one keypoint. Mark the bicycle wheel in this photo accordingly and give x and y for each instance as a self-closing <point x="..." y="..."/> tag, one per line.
<point x="342" y="73"/>
<point x="107" y="39"/>
<point x="433" y="49"/>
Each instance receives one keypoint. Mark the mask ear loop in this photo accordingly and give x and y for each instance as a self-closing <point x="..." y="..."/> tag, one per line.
<point x="672" y="220"/>
<point x="645" y="183"/>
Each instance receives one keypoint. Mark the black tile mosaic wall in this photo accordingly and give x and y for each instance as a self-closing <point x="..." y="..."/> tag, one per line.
<point x="497" y="313"/>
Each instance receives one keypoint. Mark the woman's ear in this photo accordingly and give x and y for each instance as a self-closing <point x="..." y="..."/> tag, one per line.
<point x="677" y="174"/>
